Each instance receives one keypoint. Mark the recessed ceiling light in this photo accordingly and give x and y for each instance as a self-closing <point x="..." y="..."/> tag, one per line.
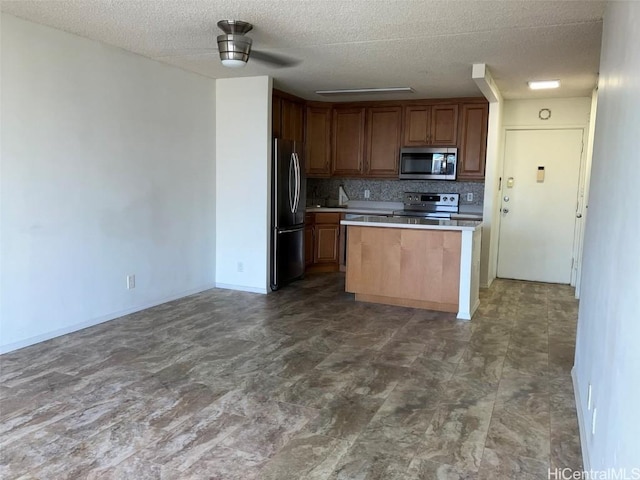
<point x="347" y="91"/>
<point x="544" y="84"/>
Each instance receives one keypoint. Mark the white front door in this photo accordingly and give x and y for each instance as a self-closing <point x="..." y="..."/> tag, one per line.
<point x="539" y="198"/>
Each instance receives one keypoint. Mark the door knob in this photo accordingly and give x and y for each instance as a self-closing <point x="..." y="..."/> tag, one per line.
<point x="505" y="210"/>
<point x="506" y="199"/>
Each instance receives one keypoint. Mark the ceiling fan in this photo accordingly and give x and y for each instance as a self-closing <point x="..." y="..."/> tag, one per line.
<point x="235" y="47"/>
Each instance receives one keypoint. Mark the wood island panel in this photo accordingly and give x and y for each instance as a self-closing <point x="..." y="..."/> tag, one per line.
<point x="411" y="267"/>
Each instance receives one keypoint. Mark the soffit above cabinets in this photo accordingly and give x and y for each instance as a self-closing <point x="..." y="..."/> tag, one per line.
<point x="428" y="45"/>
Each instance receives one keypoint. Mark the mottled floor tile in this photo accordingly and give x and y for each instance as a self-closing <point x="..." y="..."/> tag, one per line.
<point x="517" y="434"/>
<point x="456" y="434"/>
<point x="361" y="465"/>
<point x="104" y="450"/>
<point x="302" y="383"/>
<point x="32" y="452"/>
<point x="420" y="329"/>
<point x="189" y="441"/>
<point x="565" y="435"/>
<point x="312" y="457"/>
<point x="400" y="353"/>
<point x="498" y="466"/>
<point x="222" y="463"/>
<point x="444" y="349"/>
<point x="487" y="367"/>
<point x="425" y="470"/>
<point x="344" y="417"/>
<point x="269" y="429"/>
<point x="525" y="361"/>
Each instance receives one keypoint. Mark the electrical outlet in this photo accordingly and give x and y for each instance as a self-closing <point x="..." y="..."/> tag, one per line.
<point x="131" y="282"/>
<point x="589" y="397"/>
<point x="240" y="267"/>
<point x="367" y="194"/>
<point x="470" y="197"/>
<point x="593" y="421"/>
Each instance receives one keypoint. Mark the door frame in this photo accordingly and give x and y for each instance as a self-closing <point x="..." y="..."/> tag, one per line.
<point x="578" y="231"/>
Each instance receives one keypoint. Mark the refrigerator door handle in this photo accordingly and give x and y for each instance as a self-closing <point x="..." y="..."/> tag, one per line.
<point x="298" y="180"/>
<point x="289" y="230"/>
<point x="292" y="198"/>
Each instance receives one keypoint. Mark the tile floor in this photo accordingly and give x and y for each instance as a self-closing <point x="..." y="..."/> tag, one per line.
<point x="304" y="383"/>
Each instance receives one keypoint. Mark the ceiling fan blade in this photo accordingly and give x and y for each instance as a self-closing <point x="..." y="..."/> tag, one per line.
<point x="277" y="61"/>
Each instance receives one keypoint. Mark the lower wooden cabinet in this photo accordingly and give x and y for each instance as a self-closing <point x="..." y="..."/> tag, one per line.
<point x="326" y="244"/>
<point x="308" y="245"/>
<point x="322" y="241"/>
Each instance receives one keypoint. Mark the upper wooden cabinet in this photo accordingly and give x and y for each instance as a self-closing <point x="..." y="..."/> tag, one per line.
<point x="473" y="141"/>
<point x="430" y="125"/>
<point x="444" y="125"/>
<point x="363" y="139"/>
<point x="287" y="116"/>
<point x="348" y="139"/>
<point x="318" y="141"/>
<point x="384" y="134"/>
<point x="292" y="120"/>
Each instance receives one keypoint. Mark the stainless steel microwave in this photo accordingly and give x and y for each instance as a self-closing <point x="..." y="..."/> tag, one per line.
<point x="433" y="163"/>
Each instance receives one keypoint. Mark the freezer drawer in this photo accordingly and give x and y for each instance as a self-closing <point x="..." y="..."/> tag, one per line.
<point x="287" y="256"/>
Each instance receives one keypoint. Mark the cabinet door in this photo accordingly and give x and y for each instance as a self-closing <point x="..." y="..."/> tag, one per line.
<point x="308" y="245"/>
<point x="318" y="141"/>
<point x="326" y="243"/>
<point x="417" y="119"/>
<point x="292" y="120"/>
<point x="384" y="130"/>
<point x="444" y="125"/>
<point x="348" y="141"/>
<point x="473" y="141"/>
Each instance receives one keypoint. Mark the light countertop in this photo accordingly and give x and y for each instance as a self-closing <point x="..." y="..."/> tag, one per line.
<point x="412" y="222"/>
<point x="352" y="210"/>
<point x="387" y="208"/>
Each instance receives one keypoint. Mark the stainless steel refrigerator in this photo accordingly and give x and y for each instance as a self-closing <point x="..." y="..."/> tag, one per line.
<point x="288" y="199"/>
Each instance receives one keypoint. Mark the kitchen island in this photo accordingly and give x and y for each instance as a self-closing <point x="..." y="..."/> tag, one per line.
<point x="415" y="262"/>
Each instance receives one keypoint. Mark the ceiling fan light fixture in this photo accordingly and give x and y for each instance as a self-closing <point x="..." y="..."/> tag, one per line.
<point x="543" y="84"/>
<point x="350" y="91"/>
<point x="234" y="50"/>
<point x="232" y="63"/>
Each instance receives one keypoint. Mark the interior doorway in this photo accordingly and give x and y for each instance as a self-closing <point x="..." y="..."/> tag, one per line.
<point x="539" y="204"/>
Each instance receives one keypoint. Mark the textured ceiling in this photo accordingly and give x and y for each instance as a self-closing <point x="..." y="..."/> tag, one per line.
<point x="428" y="45"/>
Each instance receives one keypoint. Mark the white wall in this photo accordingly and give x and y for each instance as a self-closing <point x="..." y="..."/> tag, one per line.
<point x="607" y="353"/>
<point x="565" y="112"/>
<point x="243" y="182"/>
<point x="493" y="170"/>
<point x="491" y="206"/>
<point x="583" y="194"/>
<point x="108" y="169"/>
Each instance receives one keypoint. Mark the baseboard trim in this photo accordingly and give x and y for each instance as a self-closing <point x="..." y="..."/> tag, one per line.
<point x="10" y="347"/>
<point x="584" y="445"/>
<point x="241" y="288"/>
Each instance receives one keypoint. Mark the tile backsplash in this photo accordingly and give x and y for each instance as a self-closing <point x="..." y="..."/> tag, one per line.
<point x="324" y="191"/>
